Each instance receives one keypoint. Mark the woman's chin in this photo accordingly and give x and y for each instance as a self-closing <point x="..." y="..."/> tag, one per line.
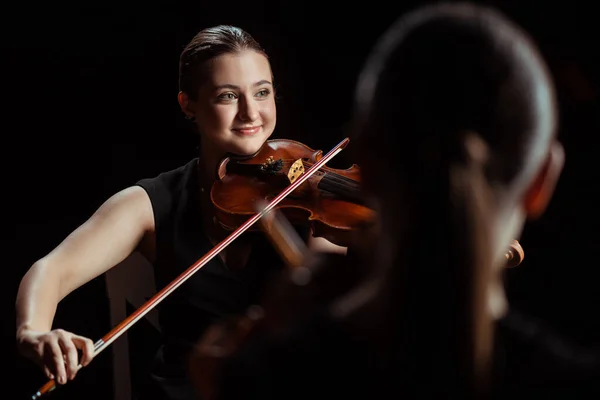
<point x="250" y="147"/>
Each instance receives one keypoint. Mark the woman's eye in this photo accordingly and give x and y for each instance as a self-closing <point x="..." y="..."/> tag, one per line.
<point x="263" y="93"/>
<point x="227" y="96"/>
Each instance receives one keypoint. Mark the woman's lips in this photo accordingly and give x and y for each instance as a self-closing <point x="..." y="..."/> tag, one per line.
<point x="248" y="131"/>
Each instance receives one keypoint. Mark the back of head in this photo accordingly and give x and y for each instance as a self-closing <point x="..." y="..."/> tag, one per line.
<point x="447" y="69"/>
<point x="454" y="116"/>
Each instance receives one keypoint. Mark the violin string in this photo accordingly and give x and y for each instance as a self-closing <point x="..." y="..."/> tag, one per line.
<point x="339" y="183"/>
<point x="332" y="175"/>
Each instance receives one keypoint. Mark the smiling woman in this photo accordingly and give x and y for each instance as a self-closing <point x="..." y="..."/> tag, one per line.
<point x="235" y="109"/>
<point x="226" y="89"/>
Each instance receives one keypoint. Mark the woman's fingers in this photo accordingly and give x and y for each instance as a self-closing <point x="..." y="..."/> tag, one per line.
<point x="71" y="358"/>
<point x="54" y="359"/>
<point x="48" y="373"/>
<point x="87" y="349"/>
<point x="58" y="353"/>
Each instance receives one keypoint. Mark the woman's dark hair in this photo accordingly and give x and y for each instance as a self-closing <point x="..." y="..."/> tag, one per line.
<point x="206" y="45"/>
<point x="454" y="107"/>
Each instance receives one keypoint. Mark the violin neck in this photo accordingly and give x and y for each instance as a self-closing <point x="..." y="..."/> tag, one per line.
<point x="341" y="186"/>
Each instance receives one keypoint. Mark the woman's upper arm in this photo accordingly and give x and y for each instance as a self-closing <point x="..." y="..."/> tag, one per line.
<point x="111" y="234"/>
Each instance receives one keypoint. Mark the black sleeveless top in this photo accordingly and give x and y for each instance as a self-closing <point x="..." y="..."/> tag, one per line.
<point x="210" y="293"/>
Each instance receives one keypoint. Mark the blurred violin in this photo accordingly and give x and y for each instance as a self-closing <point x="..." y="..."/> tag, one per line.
<point x="223" y="339"/>
<point x="329" y="201"/>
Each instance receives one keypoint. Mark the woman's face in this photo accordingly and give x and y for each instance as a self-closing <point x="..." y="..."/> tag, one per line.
<point x="235" y="111"/>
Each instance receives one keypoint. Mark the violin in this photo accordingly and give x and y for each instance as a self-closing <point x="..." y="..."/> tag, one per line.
<point x="329" y="201"/>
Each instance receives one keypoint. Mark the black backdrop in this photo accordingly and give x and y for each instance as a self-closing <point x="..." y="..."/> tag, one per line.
<point x="89" y="106"/>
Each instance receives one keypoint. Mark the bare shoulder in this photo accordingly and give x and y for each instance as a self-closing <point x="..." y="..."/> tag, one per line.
<point x="130" y="203"/>
<point x="131" y="195"/>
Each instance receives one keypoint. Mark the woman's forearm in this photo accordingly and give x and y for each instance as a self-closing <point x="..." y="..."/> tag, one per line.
<point x="37" y="299"/>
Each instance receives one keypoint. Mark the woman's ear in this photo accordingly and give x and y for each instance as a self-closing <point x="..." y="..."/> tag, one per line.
<point x="541" y="191"/>
<point x="186" y="105"/>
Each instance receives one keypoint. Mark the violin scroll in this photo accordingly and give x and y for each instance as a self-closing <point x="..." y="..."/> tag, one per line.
<point x="515" y="254"/>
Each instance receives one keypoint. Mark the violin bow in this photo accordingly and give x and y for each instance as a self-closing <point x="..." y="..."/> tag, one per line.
<point x="128" y="322"/>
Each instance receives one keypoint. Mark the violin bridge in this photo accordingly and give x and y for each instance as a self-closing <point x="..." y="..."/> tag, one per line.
<point x="296" y="170"/>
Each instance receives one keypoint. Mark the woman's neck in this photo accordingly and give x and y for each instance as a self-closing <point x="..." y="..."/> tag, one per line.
<point x="208" y="159"/>
<point x="207" y="164"/>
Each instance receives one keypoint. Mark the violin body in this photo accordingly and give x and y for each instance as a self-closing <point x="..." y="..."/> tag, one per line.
<point x="329" y="201"/>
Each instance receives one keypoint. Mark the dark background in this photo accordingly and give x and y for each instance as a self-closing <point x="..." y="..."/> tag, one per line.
<point x="89" y="107"/>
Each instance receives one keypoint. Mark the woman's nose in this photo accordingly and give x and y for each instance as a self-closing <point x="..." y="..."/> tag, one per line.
<point x="248" y="110"/>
